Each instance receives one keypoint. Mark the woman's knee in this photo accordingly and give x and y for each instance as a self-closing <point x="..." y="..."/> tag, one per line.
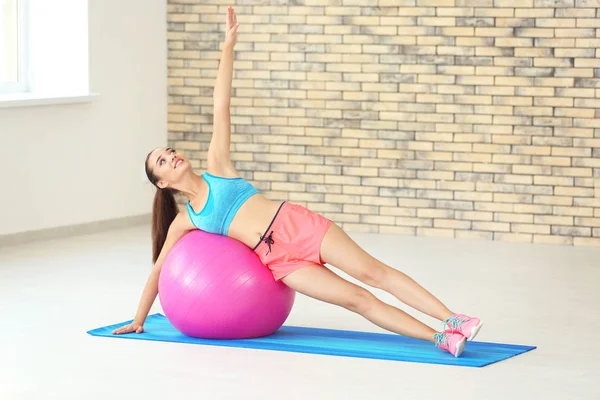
<point x="359" y="300"/>
<point x="373" y="275"/>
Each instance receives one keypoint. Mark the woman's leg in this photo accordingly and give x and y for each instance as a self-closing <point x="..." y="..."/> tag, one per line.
<point x="339" y="250"/>
<point x="320" y="283"/>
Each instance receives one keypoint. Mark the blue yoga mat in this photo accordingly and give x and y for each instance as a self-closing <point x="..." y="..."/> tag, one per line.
<point x="333" y="342"/>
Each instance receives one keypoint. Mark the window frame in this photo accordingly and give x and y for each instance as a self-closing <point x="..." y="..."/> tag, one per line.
<point x="22" y="85"/>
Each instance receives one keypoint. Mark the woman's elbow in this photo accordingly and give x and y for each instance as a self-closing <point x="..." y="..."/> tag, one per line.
<point x="221" y="104"/>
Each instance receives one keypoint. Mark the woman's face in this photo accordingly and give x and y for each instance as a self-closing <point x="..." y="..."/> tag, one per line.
<point x="168" y="165"/>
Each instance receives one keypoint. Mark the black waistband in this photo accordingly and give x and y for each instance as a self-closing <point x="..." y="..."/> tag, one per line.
<point x="273" y="220"/>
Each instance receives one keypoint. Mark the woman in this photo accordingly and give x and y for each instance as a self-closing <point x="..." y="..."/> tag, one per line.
<point x="290" y="240"/>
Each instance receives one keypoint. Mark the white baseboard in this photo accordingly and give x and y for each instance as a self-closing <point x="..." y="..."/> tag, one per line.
<point x="74" y="230"/>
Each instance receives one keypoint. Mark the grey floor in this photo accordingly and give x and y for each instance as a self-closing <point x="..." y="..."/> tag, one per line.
<point x="52" y="292"/>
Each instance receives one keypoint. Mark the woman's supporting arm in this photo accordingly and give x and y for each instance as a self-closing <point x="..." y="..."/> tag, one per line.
<point x="178" y="228"/>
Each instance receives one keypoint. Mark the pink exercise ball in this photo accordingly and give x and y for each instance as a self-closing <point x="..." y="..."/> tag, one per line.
<point x="215" y="287"/>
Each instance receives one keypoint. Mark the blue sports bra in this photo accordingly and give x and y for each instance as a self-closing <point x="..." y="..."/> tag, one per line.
<point x="225" y="197"/>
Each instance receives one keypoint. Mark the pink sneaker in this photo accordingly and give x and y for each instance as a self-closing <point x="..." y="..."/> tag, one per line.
<point x="463" y="324"/>
<point x="453" y="342"/>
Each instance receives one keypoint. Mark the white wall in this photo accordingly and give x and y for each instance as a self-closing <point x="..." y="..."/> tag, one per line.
<point x="69" y="164"/>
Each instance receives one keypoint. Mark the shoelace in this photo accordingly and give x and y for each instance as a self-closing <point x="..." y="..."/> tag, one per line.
<point x="440" y="339"/>
<point x="454" y="322"/>
<point x="269" y="241"/>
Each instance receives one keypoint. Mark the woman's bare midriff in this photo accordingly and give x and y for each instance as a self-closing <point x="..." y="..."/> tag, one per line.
<point x="252" y="219"/>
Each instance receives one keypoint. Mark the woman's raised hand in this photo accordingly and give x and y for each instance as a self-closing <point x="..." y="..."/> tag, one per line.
<point x="231" y="26"/>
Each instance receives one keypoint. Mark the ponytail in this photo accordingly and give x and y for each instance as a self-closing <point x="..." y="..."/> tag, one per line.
<point x="164" y="211"/>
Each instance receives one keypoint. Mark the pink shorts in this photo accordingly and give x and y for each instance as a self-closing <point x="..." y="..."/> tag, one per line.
<point x="292" y="240"/>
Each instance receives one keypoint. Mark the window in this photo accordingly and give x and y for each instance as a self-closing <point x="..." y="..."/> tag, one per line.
<point x="44" y="52"/>
<point x="13" y="54"/>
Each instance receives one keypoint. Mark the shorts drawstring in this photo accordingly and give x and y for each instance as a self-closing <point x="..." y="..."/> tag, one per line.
<point x="269" y="241"/>
<point x="270" y="237"/>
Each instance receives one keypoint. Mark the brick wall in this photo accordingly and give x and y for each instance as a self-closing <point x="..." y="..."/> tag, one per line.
<point x="455" y="118"/>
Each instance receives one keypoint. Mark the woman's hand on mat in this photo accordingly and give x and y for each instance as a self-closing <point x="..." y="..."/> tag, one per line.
<point x="231" y="26"/>
<point x="133" y="327"/>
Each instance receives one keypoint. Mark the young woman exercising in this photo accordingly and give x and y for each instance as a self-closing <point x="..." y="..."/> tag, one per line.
<point x="290" y="240"/>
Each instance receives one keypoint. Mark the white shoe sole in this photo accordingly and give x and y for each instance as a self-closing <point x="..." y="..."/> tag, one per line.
<point x="460" y="346"/>
<point x="475" y="331"/>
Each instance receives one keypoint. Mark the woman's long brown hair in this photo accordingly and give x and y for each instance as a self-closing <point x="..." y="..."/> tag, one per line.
<point x="164" y="211"/>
